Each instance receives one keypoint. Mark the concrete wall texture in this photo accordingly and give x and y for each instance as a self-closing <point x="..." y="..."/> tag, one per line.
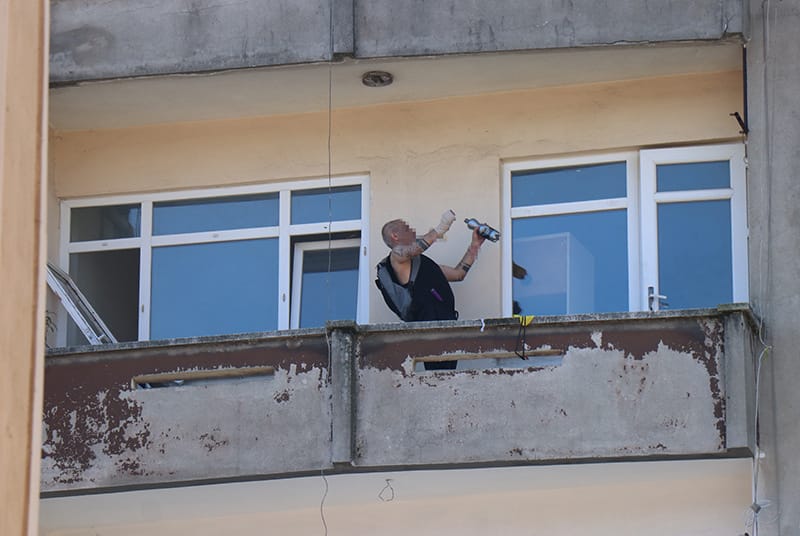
<point x="774" y="197"/>
<point x="623" y="388"/>
<point x="414" y="27"/>
<point x="96" y="40"/>
<point x="22" y="148"/>
<point x="100" y="40"/>
<point x="106" y="431"/>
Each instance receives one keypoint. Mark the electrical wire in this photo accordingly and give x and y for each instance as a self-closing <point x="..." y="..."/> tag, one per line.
<point x="755" y="507"/>
<point x="330" y="255"/>
<point x="322" y="504"/>
<point x="765" y="274"/>
<point x="387" y="493"/>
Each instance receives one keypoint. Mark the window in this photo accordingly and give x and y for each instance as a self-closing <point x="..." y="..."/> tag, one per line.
<point x="614" y="232"/>
<point x="214" y="262"/>
<point x="325" y="285"/>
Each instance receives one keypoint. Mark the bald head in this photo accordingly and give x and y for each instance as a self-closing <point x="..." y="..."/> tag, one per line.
<point x="393" y="226"/>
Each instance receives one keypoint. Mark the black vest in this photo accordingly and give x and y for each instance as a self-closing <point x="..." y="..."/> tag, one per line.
<point x="430" y="292"/>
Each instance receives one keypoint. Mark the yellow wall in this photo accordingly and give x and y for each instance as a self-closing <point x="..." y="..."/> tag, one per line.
<point x="22" y="84"/>
<point x="687" y="498"/>
<point x="422" y="157"/>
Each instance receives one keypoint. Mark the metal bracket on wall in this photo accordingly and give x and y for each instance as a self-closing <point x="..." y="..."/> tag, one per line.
<point x="742" y="125"/>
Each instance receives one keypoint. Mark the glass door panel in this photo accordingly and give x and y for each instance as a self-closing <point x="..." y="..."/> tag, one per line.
<point x="325" y="282"/>
<point x="694" y="230"/>
<point x="694" y="254"/>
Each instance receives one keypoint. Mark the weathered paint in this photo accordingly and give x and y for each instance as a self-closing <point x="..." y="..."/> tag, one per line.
<point x="623" y="389"/>
<point x="628" y="386"/>
<point x="100" y="431"/>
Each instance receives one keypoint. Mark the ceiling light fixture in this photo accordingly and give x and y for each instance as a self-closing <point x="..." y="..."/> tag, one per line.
<point x="377" y="78"/>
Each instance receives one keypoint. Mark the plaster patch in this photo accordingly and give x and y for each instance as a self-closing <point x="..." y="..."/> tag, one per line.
<point x="599" y="403"/>
<point x="597" y="338"/>
<point x="408" y="365"/>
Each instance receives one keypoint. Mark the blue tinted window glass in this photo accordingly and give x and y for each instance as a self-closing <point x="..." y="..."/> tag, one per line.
<point x="321" y="205"/>
<point x="214" y="289"/>
<point x="105" y="223"/>
<point x="568" y="184"/>
<point x="573" y="263"/>
<point x="694" y="253"/>
<point x="694" y="176"/>
<point x="218" y="214"/>
<point x="330" y="288"/>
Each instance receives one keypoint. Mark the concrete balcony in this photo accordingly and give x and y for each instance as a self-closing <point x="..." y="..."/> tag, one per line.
<point x="353" y="398"/>
<point x="117" y="65"/>
<point x="94" y="39"/>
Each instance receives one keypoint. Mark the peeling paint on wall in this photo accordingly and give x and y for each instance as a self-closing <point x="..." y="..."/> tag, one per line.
<point x="624" y="388"/>
<point x="100" y="431"/>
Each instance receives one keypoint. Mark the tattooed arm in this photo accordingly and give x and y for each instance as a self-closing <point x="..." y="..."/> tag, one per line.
<point x="460" y="270"/>
<point x="404" y="252"/>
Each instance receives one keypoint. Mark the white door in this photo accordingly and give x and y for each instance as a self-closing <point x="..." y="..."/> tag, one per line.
<point x="325" y="282"/>
<point x="694" y="227"/>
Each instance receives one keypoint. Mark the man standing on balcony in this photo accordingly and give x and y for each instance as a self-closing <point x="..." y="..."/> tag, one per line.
<point x="415" y="287"/>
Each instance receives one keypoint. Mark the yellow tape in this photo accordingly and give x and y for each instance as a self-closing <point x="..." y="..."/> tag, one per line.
<point x="525" y="321"/>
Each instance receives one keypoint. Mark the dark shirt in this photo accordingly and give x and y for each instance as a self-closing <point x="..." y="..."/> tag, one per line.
<point x="431" y="299"/>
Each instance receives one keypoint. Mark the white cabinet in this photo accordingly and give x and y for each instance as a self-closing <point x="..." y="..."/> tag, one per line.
<point x="560" y="275"/>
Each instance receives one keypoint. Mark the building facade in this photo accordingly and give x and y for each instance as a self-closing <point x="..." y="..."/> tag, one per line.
<point x="218" y="177"/>
<point x="23" y="124"/>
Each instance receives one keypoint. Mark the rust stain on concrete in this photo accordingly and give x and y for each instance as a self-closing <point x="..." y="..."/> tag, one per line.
<point x="283" y="396"/>
<point x="83" y="419"/>
<point x="211" y="442"/>
<point x="390" y="350"/>
<point x="89" y="408"/>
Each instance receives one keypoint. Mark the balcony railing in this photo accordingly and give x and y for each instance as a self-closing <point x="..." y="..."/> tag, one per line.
<point x="349" y="397"/>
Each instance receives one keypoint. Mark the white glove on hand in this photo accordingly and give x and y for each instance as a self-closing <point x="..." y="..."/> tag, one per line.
<point x="448" y="217"/>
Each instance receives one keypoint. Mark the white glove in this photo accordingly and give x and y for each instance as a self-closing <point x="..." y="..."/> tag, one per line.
<point x="448" y="217"/>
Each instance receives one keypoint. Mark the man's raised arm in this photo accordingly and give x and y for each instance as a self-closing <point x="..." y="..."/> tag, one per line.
<point x="405" y="251"/>
<point x="460" y="270"/>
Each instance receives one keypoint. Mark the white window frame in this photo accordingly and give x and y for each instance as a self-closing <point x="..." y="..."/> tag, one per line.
<point x="640" y="203"/>
<point x="284" y="232"/>
<point x="78" y="307"/>
<point x="736" y="193"/>
<point x="300" y="249"/>
<point x="629" y="203"/>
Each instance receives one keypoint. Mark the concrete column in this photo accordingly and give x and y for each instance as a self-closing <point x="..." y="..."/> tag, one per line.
<point x="738" y="373"/>
<point x="23" y="82"/>
<point x="774" y="204"/>
<point x="343" y="39"/>
<point x="341" y="336"/>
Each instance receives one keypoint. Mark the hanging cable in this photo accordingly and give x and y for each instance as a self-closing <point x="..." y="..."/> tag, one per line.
<point x="322" y="505"/>
<point x="764" y="268"/>
<point x="330" y="254"/>
<point x="387" y="493"/>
